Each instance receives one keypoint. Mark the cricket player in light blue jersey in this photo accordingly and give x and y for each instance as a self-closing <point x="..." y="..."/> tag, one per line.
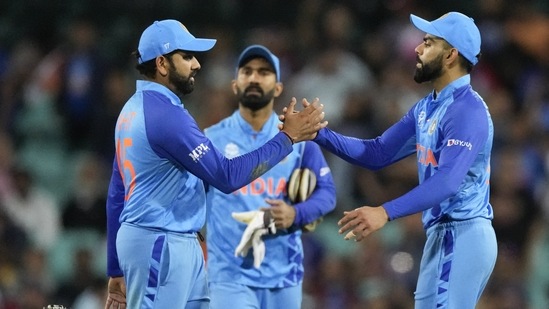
<point x="271" y="278"/>
<point x="450" y="130"/>
<point x="157" y="195"/>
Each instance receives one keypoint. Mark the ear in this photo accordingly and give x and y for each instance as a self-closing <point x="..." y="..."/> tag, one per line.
<point x="452" y="55"/>
<point x="234" y="87"/>
<point x="279" y="87"/>
<point x="162" y="65"/>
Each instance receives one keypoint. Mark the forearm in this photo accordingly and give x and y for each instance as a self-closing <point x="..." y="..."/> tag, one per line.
<point x="114" y="207"/>
<point x="320" y="203"/>
<point x="241" y="170"/>
<point x="393" y="145"/>
<point x="430" y="193"/>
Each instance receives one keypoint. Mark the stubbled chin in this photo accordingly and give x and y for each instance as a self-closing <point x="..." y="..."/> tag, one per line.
<point x="418" y="65"/>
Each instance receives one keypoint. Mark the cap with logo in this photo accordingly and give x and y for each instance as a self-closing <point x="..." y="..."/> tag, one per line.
<point x="254" y="51"/>
<point x="165" y="36"/>
<point x="457" y="29"/>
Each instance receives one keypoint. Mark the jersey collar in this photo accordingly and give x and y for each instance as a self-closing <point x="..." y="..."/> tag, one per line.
<point x="246" y="127"/>
<point x="448" y="91"/>
<point x="145" y="85"/>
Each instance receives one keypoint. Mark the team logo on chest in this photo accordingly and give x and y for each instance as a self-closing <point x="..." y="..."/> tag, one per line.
<point x="421" y="119"/>
<point x="231" y="150"/>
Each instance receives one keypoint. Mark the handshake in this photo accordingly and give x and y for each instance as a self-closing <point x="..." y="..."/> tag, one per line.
<point x="303" y="125"/>
<point x="259" y="223"/>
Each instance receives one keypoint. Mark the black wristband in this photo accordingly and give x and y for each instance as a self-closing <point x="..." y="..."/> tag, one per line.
<point x="268" y="222"/>
<point x="288" y="135"/>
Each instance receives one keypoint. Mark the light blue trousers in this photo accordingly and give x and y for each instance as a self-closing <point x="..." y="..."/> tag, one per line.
<point x="162" y="269"/>
<point x="457" y="262"/>
<point x="237" y="296"/>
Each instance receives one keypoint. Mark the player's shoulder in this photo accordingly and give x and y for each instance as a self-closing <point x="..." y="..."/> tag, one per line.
<point x="309" y="149"/>
<point x="224" y="126"/>
<point x="466" y="96"/>
<point x="163" y="108"/>
<point x="464" y="102"/>
<point x="310" y="145"/>
<point x="467" y="106"/>
<point x="219" y="126"/>
<point x="157" y="97"/>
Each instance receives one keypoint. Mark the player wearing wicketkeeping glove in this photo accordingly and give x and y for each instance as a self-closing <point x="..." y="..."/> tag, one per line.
<point x="259" y="223"/>
<point x="301" y="185"/>
<point x="248" y="264"/>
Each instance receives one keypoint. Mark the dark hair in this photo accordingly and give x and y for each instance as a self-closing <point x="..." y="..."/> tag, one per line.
<point x="466" y="64"/>
<point x="148" y="68"/>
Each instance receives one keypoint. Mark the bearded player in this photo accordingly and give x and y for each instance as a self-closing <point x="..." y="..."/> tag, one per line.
<point x="255" y="253"/>
<point x="450" y="131"/>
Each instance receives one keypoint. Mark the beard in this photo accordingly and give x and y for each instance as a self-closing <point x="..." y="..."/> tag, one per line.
<point x="183" y="84"/>
<point x="429" y="70"/>
<point x="254" y="102"/>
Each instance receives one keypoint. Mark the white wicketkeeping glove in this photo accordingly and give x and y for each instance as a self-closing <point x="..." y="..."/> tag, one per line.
<point x="259" y="223"/>
<point x="301" y="185"/>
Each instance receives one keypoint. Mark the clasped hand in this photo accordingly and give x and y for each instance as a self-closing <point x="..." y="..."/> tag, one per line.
<point x="302" y="125"/>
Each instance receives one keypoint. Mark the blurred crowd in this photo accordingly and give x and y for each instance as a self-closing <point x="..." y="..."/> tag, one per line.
<point x="66" y="70"/>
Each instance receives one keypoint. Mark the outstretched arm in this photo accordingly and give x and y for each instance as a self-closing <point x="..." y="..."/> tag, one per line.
<point x="396" y="143"/>
<point x="174" y="134"/>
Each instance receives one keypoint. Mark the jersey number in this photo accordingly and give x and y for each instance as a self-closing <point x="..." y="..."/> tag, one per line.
<point x="125" y="165"/>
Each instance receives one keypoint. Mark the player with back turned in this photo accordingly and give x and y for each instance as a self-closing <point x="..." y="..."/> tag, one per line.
<point x="252" y="265"/>
<point x="451" y="132"/>
<point x="157" y="201"/>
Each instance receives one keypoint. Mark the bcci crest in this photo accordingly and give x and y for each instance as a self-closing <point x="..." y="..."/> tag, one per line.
<point x="421" y="119"/>
<point x="432" y="126"/>
<point x="231" y="150"/>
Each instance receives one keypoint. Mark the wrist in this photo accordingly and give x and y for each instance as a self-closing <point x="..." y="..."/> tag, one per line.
<point x="385" y="212"/>
<point x="289" y="137"/>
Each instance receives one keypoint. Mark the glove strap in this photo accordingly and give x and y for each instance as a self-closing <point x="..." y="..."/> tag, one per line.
<point x="200" y="236"/>
<point x="269" y="223"/>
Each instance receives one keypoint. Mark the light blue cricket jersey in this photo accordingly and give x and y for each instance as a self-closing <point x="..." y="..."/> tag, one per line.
<point x="163" y="161"/>
<point x="452" y="135"/>
<point x="283" y="263"/>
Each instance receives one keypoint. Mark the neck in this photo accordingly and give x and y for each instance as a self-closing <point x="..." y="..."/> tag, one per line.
<point x="443" y="81"/>
<point x="256" y="118"/>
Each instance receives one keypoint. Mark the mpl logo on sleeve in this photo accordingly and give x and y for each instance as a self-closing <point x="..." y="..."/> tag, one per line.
<point x="199" y="152"/>
<point x="54" y="307"/>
